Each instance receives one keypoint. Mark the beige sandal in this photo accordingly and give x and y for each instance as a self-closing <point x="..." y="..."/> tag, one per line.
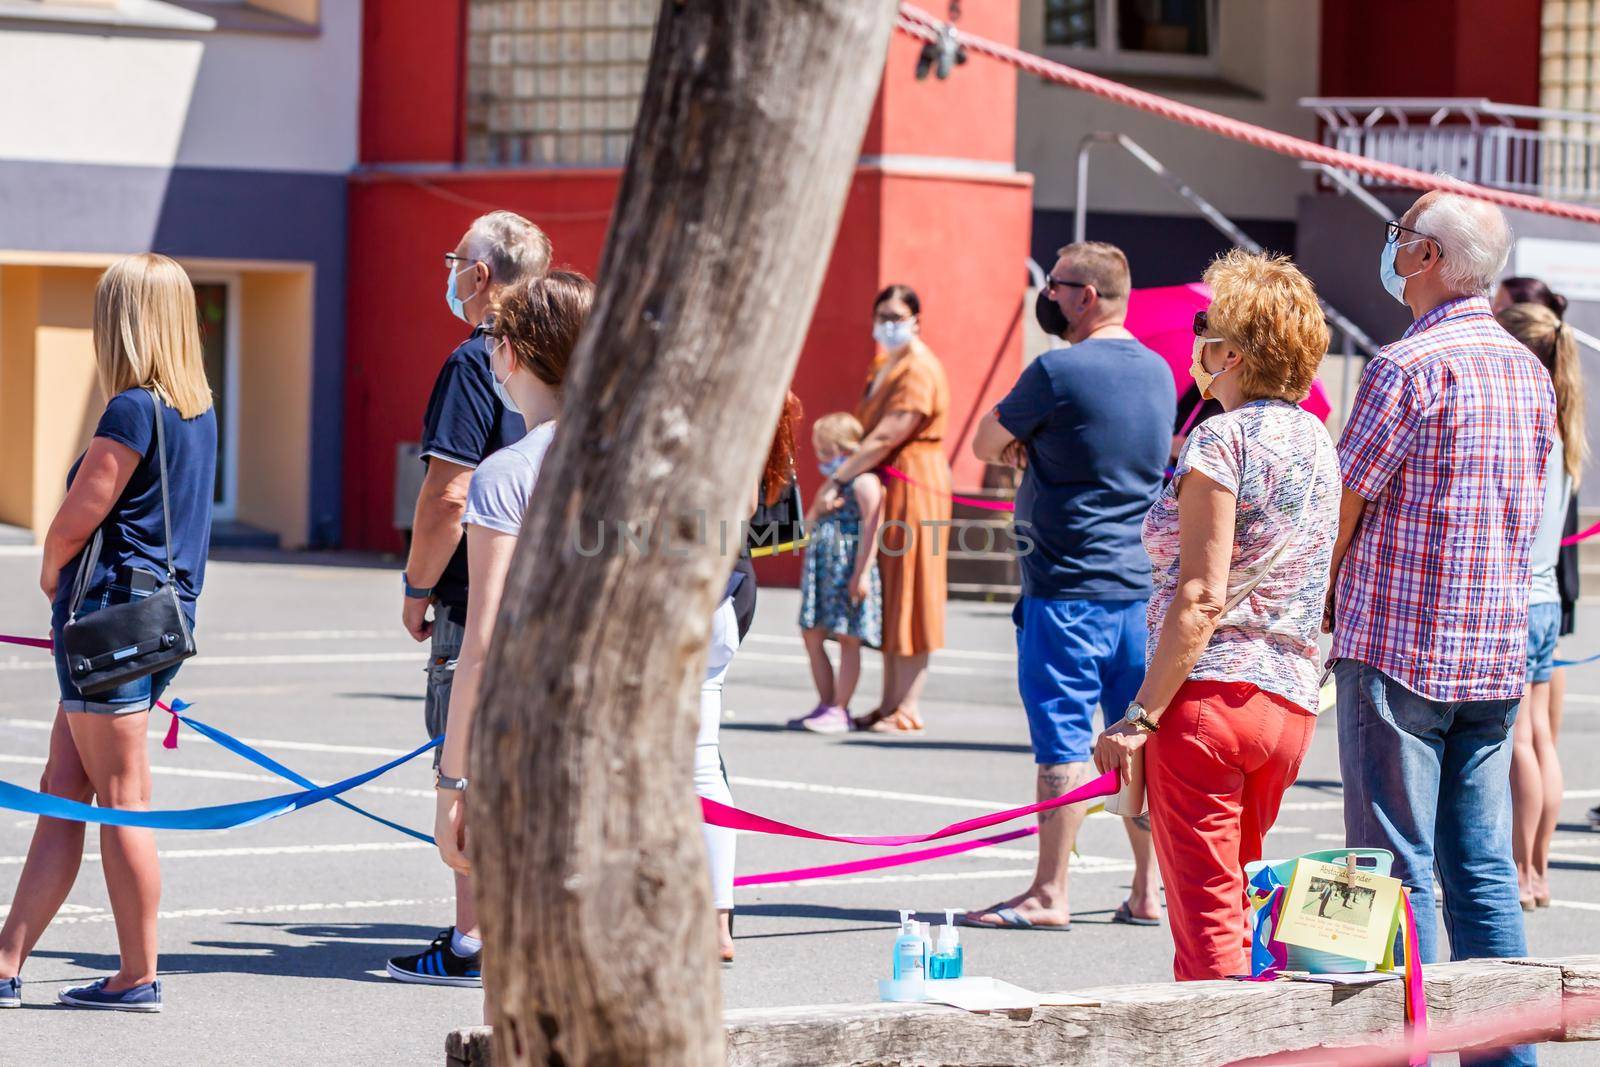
<point x="898" y="722"/>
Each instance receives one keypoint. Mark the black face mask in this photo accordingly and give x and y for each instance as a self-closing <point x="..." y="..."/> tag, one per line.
<point x="1052" y="320"/>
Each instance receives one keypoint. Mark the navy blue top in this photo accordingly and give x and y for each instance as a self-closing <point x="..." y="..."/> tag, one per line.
<point x="464" y="422"/>
<point x="133" y="537"/>
<point x="1096" y="419"/>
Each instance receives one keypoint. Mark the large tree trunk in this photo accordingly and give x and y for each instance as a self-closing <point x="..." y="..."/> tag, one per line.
<point x="585" y="828"/>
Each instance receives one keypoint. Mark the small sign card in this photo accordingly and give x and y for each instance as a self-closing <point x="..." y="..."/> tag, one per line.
<point x="1340" y="909"/>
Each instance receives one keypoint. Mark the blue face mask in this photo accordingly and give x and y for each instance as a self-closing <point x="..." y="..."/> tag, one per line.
<point x="1393" y="280"/>
<point x="830" y="466"/>
<point x="458" y="306"/>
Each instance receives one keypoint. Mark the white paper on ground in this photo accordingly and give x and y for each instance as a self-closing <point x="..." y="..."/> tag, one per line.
<point x="980" y="994"/>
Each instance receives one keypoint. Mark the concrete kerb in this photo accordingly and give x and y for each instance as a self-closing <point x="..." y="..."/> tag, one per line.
<point x="1195" y="1024"/>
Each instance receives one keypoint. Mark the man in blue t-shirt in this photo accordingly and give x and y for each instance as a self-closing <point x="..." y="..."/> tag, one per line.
<point x="1094" y="421"/>
<point x="464" y="422"/>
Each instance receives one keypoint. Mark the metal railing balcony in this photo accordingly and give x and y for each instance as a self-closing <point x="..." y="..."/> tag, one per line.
<point x="1534" y="150"/>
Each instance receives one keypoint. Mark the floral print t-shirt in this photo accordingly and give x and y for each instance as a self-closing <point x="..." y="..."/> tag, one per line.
<point x="1280" y="465"/>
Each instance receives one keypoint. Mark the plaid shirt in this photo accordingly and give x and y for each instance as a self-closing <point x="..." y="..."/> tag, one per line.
<point x="1446" y="442"/>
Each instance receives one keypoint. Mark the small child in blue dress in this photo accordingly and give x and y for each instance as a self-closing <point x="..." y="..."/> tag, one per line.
<point x="841" y="595"/>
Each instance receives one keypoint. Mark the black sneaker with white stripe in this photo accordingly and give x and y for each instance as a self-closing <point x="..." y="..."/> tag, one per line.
<point x="438" y="965"/>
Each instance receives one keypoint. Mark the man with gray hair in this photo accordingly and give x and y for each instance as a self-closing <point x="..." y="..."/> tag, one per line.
<point x="1443" y="460"/>
<point x="466" y="419"/>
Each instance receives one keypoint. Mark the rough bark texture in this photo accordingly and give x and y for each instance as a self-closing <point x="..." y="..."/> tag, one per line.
<point x="585" y="827"/>
<point x="1195" y="1024"/>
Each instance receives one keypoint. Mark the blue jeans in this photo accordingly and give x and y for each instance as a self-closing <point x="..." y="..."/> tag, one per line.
<point x="1071" y="656"/>
<point x="1431" y="782"/>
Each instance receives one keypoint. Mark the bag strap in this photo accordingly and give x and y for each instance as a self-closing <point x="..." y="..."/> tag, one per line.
<point x="161" y="457"/>
<point x="86" y="564"/>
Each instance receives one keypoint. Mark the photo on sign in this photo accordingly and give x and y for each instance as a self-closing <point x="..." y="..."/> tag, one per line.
<point x="1333" y="899"/>
<point x="1345" y="911"/>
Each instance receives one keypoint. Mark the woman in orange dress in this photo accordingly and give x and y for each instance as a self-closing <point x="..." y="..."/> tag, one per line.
<point x="903" y="412"/>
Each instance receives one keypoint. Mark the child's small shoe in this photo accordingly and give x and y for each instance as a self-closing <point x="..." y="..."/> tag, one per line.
<point x="827" y="719"/>
<point x="10" y="992"/>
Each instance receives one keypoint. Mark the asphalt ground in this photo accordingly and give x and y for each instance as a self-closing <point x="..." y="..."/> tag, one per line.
<point x="275" y="935"/>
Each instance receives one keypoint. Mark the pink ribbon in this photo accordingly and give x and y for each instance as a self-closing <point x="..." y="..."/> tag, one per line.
<point x="1416" y="997"/>
<point x="969" y="501"/>
<point x="735" y="819"/>
<point x="878" y="863"/>
<point x="1582" y="535"/>
<point x="31" y="642"/>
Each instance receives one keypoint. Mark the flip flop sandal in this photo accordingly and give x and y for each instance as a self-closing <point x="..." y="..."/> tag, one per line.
<point x="898" y="722"/>
<point x="870" y="719"/>
<point x="1011" y="920"/>
<point x="1126" y="917"/>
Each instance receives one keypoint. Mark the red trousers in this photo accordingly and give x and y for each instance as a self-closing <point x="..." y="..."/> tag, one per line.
<point x="1215" y="774"/>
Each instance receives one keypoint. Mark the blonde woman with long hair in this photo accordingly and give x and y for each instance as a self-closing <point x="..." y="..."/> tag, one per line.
<point x="148" y="359"/>
<point x="1536" y="779"/>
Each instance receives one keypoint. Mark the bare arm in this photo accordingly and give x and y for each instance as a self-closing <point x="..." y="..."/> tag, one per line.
<point x="435" y="533"/>
<point x="1205" y="551"/>
<point x="991" y="441"/>
<point x="101" y="478"/>
<point x="489" y="560"/>
<point x="869" y="494"/>
<point x="1351" y="507"/>
<point x="892" y="431"/>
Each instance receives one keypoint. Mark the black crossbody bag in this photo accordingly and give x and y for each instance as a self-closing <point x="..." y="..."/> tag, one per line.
<point x="125" y="642"/>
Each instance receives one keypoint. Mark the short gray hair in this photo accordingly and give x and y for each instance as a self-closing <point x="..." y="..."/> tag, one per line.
<point x="514" y="249"/>
<point x="1475" y="240"/>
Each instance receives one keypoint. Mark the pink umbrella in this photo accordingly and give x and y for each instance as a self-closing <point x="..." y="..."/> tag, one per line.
<point x="1163" y="318"/>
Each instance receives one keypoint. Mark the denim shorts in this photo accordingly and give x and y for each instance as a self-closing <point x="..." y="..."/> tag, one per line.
<point x="1544" y="624"/>
<point x="140" y="694"/>
<point x="449" y="631"/>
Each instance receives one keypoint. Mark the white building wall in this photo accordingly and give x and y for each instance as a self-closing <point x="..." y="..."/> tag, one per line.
<point x="165" y="98"/>
<point x="1269" y="51"/>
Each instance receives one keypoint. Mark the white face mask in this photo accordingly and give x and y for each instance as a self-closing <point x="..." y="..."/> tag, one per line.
<point x="500" y="391"/>
<point x="894" y="335"/>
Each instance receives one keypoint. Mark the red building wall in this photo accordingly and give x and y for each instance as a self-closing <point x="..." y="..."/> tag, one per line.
<point x="1432" y="48"/>
<point x="934" y="204"/>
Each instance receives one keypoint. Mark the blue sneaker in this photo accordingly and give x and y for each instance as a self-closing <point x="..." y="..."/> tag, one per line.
<point x="438" y="965"/>
<point x="145" y="997"/>
<point x="11" y="993"/>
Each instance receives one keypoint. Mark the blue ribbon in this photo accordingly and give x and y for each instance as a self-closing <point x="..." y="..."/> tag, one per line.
<point x="1576" y="662"/>
<point x="219" y="816"/>
<point x="1262" y="958"/>
<point x="266" y="762"/>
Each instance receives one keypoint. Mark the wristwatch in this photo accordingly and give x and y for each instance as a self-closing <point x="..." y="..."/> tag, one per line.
<point x="414" y="592"/>
<point x="1140" y="719"/>
<point x="441" y="781"/>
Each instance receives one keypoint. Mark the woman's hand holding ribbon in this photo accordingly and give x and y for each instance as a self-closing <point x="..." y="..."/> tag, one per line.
<point x="1114" y="749"/>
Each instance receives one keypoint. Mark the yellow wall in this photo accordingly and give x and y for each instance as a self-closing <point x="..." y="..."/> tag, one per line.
<point x="19" y="312"/>
<point x="275" y="404"/>
<point x="66" y="400"/>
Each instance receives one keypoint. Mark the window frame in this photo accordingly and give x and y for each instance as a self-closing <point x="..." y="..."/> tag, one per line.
<point x="1107" y="57"/>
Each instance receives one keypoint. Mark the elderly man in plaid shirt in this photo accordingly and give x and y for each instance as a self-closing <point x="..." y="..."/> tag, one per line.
<point x="1443" y="464"/>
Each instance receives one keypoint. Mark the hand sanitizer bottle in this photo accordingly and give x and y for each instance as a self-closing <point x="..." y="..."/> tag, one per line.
<point x="910" y="957"/>
<point x="946" y="961"/>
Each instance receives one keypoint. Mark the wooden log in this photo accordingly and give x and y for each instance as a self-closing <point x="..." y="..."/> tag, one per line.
<point x="584" y="829"/>
<point x="1196" y="1024"/>
<point x="1580" y="1006"/>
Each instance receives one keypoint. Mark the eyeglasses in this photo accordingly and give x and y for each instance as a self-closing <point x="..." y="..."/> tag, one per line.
<point x="1201" y="325"/>
<point x="1052" y="283"/>
<point x="451" y="259"/>
<point x="1392" y="231"/>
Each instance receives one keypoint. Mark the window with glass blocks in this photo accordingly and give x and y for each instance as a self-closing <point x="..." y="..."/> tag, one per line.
<point x="555" y="81"/>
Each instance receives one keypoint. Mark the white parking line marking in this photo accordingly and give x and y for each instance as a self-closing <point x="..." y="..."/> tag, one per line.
<point x="952" y="653"/>
<point x="259" y="850"/>
<point x="262" y="909"/>
<point x="872" y="794"/>
<point x="1106" y="867"/>
<point x="302" y="658"/>
<point x="258" y="742"/>
<point x="239" y="776"/>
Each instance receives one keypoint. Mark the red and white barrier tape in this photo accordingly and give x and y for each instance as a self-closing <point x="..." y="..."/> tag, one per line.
<point x="916" y="22"/>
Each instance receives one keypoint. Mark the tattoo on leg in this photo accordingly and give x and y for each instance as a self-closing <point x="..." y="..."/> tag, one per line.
<point x="1142" y="822"/>
<point x="1056" y="779"/>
